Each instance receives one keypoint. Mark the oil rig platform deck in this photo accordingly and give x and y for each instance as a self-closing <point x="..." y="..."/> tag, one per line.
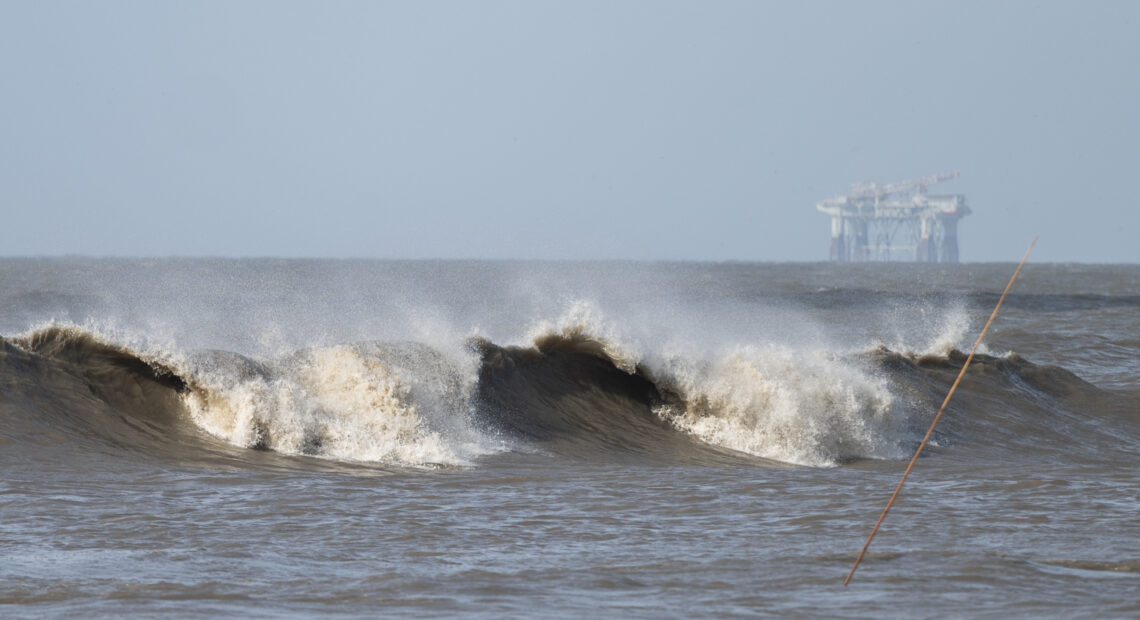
<point x="895" y="222"/>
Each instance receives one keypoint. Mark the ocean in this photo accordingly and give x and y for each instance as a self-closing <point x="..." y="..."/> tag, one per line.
<point x="367" y="438"/>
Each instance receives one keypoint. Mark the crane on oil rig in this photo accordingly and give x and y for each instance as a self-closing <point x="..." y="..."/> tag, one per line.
<point x="895" y="221"/>
<point x="869" y="189"/>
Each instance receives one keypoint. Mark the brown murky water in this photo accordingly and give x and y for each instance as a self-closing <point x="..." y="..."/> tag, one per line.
<point x="362" y="438"/>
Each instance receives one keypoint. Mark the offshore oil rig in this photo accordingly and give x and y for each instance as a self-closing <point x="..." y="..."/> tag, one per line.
<point x="895" y="222"/>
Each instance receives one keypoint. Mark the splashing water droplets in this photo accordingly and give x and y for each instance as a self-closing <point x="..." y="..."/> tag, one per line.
<point x="337" y="402"/>
<point x="784" y="405"/>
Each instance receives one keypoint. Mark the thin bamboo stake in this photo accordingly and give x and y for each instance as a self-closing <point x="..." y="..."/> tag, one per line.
<point x="938" y="416"/>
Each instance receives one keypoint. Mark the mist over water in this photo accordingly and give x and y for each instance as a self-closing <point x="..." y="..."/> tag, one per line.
<point x="466" y="437"/>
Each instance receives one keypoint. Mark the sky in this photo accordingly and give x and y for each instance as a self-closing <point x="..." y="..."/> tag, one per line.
<point x="646" y="130"/>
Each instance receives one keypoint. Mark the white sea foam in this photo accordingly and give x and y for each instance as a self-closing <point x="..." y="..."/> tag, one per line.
<point x="787" y="405"/>
<point x="393" y="404"/>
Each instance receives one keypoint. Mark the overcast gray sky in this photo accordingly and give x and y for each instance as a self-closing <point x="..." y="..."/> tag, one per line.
<point x="580" y="130"/>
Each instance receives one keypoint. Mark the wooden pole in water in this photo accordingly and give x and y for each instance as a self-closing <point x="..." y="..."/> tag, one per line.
<point x="938" y="415"/>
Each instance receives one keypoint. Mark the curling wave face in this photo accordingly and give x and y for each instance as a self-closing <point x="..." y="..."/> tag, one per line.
<point x="569" y="393"/>
<point x="766" y="403"/>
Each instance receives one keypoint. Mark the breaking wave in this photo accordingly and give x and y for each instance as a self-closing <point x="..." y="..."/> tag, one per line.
<point x="571" y="391"/>
<point x="394" y="404"/>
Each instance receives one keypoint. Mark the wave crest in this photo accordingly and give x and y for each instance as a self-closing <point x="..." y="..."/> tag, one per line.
<point x="784" y="405"/>
<point x="780" y="404"/>
<point x="574" y="390"/>
<point x="391" y="403"/>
